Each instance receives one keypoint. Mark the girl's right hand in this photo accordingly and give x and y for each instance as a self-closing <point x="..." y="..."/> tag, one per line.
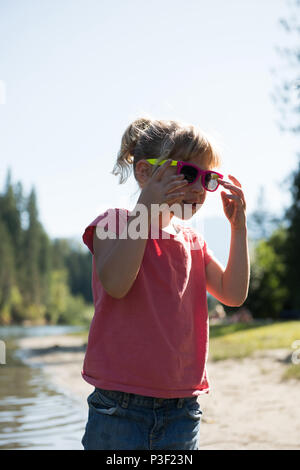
<point x="163" y="187"/>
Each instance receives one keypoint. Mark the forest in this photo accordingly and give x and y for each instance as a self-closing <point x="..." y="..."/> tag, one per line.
<point x="42" y="281"/>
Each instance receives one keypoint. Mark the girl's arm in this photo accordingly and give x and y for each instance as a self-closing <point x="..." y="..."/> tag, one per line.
<point x="230" y="286"/>
<point x="118" y="261"/>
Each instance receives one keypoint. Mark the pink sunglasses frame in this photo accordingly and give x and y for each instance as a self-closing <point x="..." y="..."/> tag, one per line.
<point x="179" y="164"/>
<point x="201" y="173"/>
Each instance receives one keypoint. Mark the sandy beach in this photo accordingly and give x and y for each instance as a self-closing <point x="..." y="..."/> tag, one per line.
<point x="249" y="406"/>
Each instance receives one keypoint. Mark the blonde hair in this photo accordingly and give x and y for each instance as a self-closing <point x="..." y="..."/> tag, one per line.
<point x="162" y="139"/>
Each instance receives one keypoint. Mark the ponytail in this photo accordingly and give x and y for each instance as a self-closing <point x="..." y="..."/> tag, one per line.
<point x="128" y="144"/>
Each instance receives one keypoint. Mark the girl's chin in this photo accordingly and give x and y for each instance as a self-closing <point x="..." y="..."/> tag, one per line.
<point x="194" y="206"/>
<point x="188" y="209"/>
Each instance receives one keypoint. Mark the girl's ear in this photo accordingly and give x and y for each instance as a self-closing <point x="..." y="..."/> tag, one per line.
<point x="142" y="171"/>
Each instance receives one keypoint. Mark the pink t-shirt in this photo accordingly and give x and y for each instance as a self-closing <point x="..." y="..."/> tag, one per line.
<point x="153" y="341"/>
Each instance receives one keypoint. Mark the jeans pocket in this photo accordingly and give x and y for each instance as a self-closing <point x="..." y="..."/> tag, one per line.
<point x="192" y="409"/>
<point x="101" y="403"/>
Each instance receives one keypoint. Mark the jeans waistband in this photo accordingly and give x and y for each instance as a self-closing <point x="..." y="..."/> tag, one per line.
<point x="124" y="398"/>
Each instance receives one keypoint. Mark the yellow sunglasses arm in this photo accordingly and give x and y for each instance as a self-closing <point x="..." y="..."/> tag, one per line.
<point x="153" y="161"/>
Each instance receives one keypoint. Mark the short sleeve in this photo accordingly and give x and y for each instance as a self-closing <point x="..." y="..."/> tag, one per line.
<point x="112" y="222"/>
<point x="198" y="243"/>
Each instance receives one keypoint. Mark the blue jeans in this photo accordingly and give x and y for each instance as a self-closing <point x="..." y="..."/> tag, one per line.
<point x="126" y="421"/>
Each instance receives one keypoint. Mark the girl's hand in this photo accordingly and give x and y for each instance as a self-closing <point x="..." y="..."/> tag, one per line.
<point x="234" y="204"/>
<point x="163" y="187"/>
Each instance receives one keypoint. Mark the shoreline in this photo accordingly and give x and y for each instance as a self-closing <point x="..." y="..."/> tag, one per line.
<point x="60" y="358"/>
<point x="248" y="407"/>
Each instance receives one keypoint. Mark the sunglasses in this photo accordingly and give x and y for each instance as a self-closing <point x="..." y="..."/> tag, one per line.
<point x="192" y="173"/>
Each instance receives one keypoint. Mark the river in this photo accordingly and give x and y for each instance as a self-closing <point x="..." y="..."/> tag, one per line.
<point x="34" y="415"/>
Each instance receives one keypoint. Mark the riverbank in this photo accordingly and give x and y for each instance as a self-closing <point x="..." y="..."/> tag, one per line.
<point x="60" y="358"/>
<point x="249" y="407"/>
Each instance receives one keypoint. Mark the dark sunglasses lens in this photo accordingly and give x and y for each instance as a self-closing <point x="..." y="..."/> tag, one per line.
<point x="190" y="173"/>
<point x="211" y="181"/>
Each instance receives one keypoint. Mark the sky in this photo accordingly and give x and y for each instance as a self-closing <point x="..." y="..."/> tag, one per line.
<point x="75" y="73"/>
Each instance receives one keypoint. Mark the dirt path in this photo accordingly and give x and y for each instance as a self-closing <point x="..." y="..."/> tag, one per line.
<point x="249" y="406"/>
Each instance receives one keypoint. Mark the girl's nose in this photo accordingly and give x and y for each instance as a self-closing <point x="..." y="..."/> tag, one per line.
<point x="197" y="186"/>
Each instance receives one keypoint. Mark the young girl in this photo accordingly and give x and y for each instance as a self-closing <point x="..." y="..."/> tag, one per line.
<point x="148" y="340"/>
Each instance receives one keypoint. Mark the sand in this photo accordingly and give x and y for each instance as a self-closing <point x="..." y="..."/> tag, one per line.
<point x="249" y="406"/>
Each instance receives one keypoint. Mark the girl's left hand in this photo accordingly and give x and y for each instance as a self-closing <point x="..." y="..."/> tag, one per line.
<point x="234" y="204"/>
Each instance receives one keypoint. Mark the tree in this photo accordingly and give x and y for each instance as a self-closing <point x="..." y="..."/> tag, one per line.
<point x="31" y="250"/>
<point x="7" y="273"/>
<point x="287" y="101"/>
<point x="293" y="242"/>
<point x="268" y="292"/>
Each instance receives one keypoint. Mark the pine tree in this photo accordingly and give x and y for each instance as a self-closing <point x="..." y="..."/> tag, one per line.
<point x="32" y="285"/>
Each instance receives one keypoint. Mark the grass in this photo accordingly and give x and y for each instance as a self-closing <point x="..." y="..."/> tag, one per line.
<point x="292" y="372"/>
<point x="241" y="340"/>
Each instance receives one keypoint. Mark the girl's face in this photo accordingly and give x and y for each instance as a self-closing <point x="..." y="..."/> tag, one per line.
<point x="195" y="194"/>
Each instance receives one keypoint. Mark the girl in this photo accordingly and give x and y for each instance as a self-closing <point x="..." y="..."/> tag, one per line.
<point x="148" y="340"/>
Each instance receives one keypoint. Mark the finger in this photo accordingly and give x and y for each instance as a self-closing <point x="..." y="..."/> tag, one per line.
<point x="220" y="181"/>
<point x="239" y="192"/>
<point x="175" y="185"/>
<point x="234" y="198"/>
<point x="225" y="200"/>
<point x="234" y="189"/>
<point x="227" y="184"/>
<point x="233" y="178"/>
<point x="161" y="170"/>
<point x="174" y="197"/>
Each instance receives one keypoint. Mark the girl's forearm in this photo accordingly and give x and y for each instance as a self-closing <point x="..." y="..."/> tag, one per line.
<point x="123" y="263"/>
<point x="235" y="280"/>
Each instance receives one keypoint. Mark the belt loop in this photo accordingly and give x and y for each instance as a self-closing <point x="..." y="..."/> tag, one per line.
<point x="125" y="400"/>
<point x="180" y="402"/>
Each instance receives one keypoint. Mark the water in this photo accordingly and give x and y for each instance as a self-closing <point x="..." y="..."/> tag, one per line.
<point x="25" y="331"/>
<point x="34" y="414"/>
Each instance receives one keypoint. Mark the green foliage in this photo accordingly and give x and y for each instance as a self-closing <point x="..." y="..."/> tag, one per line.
<point x="286" y="99"/>
<point x="41" y="281"/>
<point x="268" y="291"/>
<point x="293" y="242"/>
<point x="63" y="307"/>
<point x="292" y="372"/>
<point x="76" y="311"/>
